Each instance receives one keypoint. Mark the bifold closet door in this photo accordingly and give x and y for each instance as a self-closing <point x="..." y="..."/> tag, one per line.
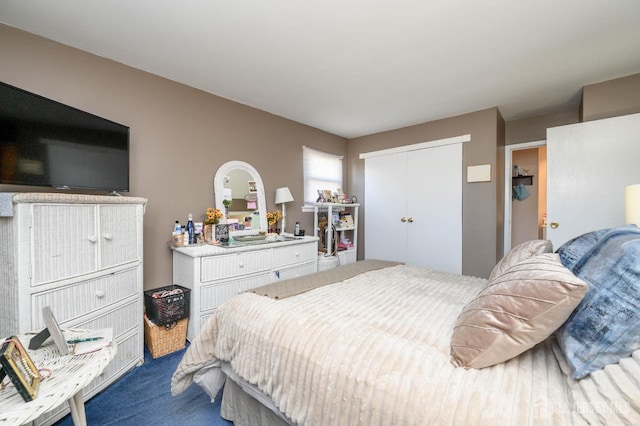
<point x="413" y="207"/>
<point x="434" y="208"/>
<point x="385" y="203"/>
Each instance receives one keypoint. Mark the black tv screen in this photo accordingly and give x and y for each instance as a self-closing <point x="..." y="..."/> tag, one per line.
<point x="46" y="143"/>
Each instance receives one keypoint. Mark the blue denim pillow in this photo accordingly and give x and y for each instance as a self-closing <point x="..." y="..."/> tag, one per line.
<point x="573" y="250"/>
<point x="605" y="327"/>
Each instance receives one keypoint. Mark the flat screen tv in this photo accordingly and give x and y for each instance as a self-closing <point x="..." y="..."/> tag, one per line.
<point x="46" y="143"/>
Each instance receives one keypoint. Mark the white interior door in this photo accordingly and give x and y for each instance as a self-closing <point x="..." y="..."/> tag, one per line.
<point x="588" y="166"/>
<point x="386" y="202"/>
<point x="434" y="229"/>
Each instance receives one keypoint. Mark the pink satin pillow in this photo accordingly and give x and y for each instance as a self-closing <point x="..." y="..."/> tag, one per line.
<point x="521" y="252"/>
<point x="515" y="311"/>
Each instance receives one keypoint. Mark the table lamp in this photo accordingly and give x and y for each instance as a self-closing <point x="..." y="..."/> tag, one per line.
<point x="283" y="195"/>
<point x="632" y="204"/>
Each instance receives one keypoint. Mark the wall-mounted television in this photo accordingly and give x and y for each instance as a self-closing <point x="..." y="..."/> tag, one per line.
<point x="46" y="143"/>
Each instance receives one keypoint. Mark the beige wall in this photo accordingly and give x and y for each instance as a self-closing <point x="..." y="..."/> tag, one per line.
<point x="611" y="98"/>
<point x="179" y="135"/>
<point x="535" y="128"/>
<point x="480" y="214"/>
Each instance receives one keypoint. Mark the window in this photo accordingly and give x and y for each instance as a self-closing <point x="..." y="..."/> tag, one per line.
<point x="322" y="170"/>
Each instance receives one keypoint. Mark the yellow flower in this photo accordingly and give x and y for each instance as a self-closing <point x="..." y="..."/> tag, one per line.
<point x="212" y="216"/>
<point x="274" y="217"/>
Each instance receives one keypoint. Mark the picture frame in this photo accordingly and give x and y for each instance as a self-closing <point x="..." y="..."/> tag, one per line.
<point x="479" y="173"/>
<point x="54" y="330"/>
<point x="16" y="363"/>
<point x="222" y="232"/>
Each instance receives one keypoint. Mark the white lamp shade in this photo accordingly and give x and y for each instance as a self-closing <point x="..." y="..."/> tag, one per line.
<point x="283" y="195"/>
<point x="632" y="204"/>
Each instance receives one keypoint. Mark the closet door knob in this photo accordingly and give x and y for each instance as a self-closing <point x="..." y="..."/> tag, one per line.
<point x="107" y="236"/>
<point x="404" y="219"/>
<point x="554" y="225"/>
<point x="93" y="238"/>
<point x="410" y="220"/>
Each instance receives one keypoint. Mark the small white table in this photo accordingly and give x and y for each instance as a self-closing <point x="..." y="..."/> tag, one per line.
<point x="69" y="375"/>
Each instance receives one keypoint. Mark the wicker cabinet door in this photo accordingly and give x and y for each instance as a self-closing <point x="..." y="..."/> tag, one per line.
<point x="64" y="241"/>
<point x="119" y="231"/>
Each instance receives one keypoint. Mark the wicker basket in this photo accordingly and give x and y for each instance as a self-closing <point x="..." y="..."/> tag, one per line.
<point x="165" y="309"/>
<point x="165" y="339"/>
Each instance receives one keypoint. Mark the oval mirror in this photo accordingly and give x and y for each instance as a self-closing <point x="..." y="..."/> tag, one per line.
<point x="241" y="184"/>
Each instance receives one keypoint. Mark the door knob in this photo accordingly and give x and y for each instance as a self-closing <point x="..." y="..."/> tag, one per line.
<point x="554" y="225"/>
<point x="404" y="219"/>
<point x="410" y="220"/>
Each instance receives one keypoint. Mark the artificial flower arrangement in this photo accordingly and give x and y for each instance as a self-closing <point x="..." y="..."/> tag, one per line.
<point x="212" y="216"/>
<point x="273" y="217"/>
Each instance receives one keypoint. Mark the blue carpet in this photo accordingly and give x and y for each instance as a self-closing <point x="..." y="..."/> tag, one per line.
<point x="143" y="396"/>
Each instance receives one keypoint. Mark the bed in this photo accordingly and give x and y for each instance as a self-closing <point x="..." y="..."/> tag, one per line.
<point x="381" y="343"/>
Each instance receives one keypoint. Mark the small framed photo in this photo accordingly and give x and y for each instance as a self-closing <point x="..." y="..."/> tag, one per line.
<point x="17" y="364"/>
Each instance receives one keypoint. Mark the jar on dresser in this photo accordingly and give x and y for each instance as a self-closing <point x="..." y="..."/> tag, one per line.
<point x="82" y="256"/>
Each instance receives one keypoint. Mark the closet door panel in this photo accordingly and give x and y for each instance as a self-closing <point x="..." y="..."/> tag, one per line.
<point x="434" y="237"/>
<point x="386" y="204"/>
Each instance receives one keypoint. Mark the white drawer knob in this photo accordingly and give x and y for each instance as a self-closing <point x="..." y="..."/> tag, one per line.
<point x="93" y="238"/>
<point x="241" y="265"/>
<point x="107" y="236"/>
<point x="297" y="254"/>
<point x="99" y="294"/>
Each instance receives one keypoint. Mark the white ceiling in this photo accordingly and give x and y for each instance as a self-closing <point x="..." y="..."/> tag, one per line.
<point x="356" y="67"/>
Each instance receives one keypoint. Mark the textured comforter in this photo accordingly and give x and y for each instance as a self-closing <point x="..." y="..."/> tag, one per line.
<point x="374" y="350"/>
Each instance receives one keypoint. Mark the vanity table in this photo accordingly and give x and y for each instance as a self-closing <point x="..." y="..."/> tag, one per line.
<point x="215" y="273"/>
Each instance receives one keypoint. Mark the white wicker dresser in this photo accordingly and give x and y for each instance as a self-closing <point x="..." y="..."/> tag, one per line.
<point x="82" y="256"/>
<point x="215" y="274"/>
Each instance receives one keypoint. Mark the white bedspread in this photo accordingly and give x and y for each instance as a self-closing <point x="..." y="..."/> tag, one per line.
<point x="374" y="350"/>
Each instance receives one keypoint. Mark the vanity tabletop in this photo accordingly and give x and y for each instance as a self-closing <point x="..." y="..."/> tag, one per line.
<point x="202" y="250"/>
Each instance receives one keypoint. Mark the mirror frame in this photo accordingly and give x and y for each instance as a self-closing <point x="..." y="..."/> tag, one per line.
<point x="218" y="188"/>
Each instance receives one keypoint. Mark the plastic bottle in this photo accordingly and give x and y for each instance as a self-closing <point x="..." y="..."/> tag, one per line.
<point x="191" y="230"/>
<point x="297" y="229"/>
<point x="177" y="228"/>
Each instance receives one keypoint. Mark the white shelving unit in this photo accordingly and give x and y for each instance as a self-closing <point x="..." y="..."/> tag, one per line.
<point x="350" y="232"/>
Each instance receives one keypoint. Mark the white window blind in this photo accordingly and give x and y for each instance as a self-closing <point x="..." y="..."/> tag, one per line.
<point x="322" y="170"/>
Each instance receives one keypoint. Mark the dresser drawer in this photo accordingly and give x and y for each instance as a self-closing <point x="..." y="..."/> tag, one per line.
<point x="213" y="295"/>
<point x="297" y="271"/>
<point x="75" y="300"/>
<point x="298" y="253"/>
<point x="235" y="264"/>
<point x="118" y="318"/>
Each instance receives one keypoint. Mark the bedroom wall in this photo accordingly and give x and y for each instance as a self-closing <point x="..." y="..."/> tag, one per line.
<point x="480" y="217"/>
<point x="611" y="98"/>
<point x="179" y="135"/>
